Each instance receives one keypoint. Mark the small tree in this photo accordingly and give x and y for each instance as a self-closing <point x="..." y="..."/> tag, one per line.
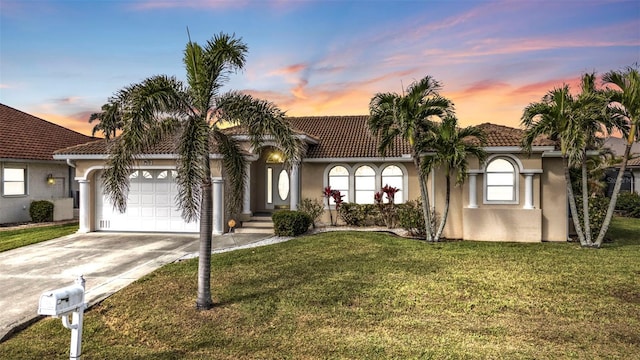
<point x="334" y="195"/>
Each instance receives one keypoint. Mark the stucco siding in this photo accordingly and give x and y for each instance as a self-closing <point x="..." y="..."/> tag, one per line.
<point x="517" y="225"/>
<point x="15" y="208"/>
<point x="554" y="201"/>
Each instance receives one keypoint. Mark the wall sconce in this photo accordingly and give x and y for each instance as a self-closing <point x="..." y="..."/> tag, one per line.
<point x="51" y="180"/>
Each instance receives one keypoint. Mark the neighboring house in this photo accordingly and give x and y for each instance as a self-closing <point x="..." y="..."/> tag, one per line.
<point x="513" y="196"/>
<point x="28" y="171"/>
<point x="631" y="179"/>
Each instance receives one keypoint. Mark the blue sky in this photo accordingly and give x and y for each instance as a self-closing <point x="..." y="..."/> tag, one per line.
<point x="62" y="59"/>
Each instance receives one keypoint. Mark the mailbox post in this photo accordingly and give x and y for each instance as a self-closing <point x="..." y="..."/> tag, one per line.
<point x="63" y="302"/>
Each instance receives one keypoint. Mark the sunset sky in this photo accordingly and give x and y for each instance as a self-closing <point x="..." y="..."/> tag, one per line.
<point x="61" y="59"/>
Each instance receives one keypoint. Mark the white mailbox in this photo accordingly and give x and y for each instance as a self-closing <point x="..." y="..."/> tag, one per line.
<point x="61" y="301"/>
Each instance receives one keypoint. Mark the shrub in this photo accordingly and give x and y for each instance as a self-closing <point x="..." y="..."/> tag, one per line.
<point x="290" y="223"/>
<point x="629" y="204"/>
<point x="41" y="211"/>
<point x="597" y="211"/>
<point x="313" y="208"/>
<point x="352" y="214"/>
<point x="359" y="214"/>
<point x="411" y="218"/>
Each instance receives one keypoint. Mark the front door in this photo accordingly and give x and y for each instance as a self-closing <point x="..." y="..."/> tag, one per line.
<point x="277" y="186"/>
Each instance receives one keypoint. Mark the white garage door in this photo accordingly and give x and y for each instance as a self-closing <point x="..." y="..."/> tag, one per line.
<point x="150" y="206"/>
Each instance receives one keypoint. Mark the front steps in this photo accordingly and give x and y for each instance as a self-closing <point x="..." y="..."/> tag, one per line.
<point x="259" y="224"/>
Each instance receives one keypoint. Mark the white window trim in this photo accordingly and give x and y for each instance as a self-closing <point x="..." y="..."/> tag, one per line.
<point x="26" y="178"/>
<point x="405" y="181"/>
<point x="517" y="167"/>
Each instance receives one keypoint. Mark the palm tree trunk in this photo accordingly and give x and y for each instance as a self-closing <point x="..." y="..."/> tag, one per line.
<point x="426" y="211"/>
<point x="585" y="202"/>
<point x="572" y="203"/>
<point x="616" y="191"/>
<point x="204" y="301"/>
<point x="446" y="209"/>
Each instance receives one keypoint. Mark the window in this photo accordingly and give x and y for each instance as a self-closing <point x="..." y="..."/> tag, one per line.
<point x="365" y="184"/>
<point x="501" y="181"/>
<point x="339" y="180"/>
<point x="360" y="183"/>
<point x="14" y="180"/>
<point x="393" y="176"/>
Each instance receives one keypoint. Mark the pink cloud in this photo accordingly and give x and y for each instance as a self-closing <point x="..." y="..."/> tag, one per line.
<point x="288" y="70"/>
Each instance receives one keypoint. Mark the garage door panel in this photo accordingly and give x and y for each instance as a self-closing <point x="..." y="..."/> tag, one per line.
<point x="150" y="206"/>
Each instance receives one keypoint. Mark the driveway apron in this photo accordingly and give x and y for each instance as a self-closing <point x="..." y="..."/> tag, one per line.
<point x="108" y="262"/>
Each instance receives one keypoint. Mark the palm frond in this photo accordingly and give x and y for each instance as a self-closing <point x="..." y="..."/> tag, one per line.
<point x="234" y="164"/>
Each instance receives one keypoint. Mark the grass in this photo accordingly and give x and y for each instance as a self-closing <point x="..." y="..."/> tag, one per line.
<point x="12" y="239"/>
<point x="358" y="295"/>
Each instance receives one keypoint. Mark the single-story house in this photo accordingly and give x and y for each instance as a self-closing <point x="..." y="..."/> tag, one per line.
<point x="513" y="196"/>
<point x="631" y="179"/>
<point x="28" y="171"/>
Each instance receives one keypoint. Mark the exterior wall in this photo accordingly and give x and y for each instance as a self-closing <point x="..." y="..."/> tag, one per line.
<point x="15" y="208"/>
<point x="554" y="201"/>
<point x="547" y="221"/>
<point x="517" y="225"/>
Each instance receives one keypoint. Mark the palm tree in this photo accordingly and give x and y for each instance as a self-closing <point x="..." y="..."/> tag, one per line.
<point x="579" y="123"/>
<point x="451" y="146"/>
<point x="553" y="116"/>
<point x="109" y="120"/>
<point x="408" y="116"/>
<point x="190" y="114"/>
<point x="626" y="104"/>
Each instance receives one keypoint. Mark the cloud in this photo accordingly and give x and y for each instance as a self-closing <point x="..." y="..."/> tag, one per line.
<point x="5" y="86"/>
<point x="77" y="122"/>
<point x="71" y="100"/>
<point x="287" y="70"/>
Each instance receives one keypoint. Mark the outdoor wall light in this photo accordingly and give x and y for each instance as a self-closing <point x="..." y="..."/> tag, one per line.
<point x="51" y="180"/>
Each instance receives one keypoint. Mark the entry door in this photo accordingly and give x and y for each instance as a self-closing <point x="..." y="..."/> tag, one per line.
<point x="277" y="187"/>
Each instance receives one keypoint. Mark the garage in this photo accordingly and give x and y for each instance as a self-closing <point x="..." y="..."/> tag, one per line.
<point x="150" y="205"/>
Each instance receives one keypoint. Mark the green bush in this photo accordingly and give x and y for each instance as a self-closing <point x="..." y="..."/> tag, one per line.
<point x="410" y="218"/>
<point x="290" y="223"/>
<point x="597" y="211"/>
<point x="41" y="211"/>
<point x="359" y="214"/>
<point x="313" y="208"/>
<point x="629" y="204"/>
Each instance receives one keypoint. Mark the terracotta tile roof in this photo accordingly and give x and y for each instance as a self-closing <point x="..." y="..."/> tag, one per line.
<point x="166" y="146"/>
<point x="499" y="135"/>
<point x="24" y="136"/>
<point x="634" y="162"/>
<point x="336" y="136"/>
<point x="343" y="137"/>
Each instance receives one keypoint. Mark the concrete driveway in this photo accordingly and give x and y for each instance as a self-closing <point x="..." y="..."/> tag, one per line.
<point x="108" y="262"/>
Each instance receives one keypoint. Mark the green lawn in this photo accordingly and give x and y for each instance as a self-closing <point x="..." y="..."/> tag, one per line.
<point x="355" y="295"/>
<point x="11" y="239"/>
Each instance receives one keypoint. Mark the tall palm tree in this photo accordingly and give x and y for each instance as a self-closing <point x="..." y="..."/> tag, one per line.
<point x="626" y="104"/>
<point x="451" y="147"/>
<point x="579" y="123"/>
<point x="409" y="117"/>
<point x="109" y="120"/>
<point x="190" y="114"/>
<point x="553" y="116"/>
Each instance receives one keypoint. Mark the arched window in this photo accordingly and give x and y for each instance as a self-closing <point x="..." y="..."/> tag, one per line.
<point x="393" y="176"/>
<point x="339" y="180"/>
<point x="501" y="181"/>
<point x="365" y="184"/>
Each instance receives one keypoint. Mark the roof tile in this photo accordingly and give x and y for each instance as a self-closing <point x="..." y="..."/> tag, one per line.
<point x="26" y="137"/>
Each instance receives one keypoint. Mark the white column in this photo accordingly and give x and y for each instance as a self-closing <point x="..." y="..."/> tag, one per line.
<point x="218" y="212"/>
<point x="528" y="191"/>
<point x="85" y="204"/>
<point x="473" y="196"/>
<point x="246" y="199"/>
<point x="294" y="191"/>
